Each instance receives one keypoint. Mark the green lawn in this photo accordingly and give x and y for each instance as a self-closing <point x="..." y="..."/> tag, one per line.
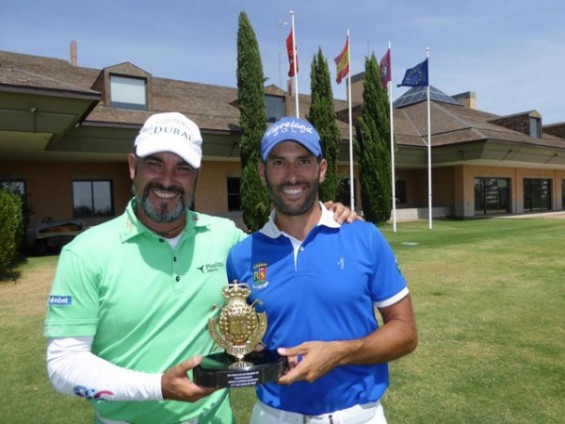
<point x="489" y="296"/>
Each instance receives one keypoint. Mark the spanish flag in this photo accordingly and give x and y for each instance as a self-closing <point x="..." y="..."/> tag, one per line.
<point x="342" y="62"/>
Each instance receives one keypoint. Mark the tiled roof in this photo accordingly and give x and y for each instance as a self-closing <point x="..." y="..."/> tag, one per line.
<point x="53" y="69"/>
<point x="452" y="124"/>
<point x="22" y="78"/>
<point x="214" y="108"/>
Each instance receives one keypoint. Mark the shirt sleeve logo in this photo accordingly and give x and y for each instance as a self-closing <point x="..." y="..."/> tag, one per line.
<point x="93" y="394"/>
<point x="57" y="300"/>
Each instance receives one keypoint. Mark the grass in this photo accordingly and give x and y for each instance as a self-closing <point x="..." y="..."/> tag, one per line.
<point x="490" y="300"/>
<point x="27" y="395"/>
<point x="490" y="303"/>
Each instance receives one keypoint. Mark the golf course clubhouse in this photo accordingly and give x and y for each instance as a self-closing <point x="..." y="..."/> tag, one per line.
<point x="66" y="130"/>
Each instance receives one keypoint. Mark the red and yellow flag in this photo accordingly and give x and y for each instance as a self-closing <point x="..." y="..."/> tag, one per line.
<point x="342" y="62"/>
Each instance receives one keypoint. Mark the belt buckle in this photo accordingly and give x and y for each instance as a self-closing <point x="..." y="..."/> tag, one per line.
<point x="306" y="418"/>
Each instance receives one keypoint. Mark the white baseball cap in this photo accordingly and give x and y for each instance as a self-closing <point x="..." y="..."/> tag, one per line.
<point x="170" y="132"/>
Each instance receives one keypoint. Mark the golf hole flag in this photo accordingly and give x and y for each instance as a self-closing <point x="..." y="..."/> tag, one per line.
<point x="416" y="76"/>
<point x="342" y="62"/>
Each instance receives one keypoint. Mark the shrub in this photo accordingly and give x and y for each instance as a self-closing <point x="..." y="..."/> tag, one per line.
<point x="11" y="228"/>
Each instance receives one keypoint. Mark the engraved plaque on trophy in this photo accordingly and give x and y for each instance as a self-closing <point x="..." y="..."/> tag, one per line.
<point x="238" y="330"/>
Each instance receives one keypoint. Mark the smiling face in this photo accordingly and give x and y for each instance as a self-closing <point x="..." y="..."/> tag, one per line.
<point x="163" y="185"/>
<point x="293" y="176"/>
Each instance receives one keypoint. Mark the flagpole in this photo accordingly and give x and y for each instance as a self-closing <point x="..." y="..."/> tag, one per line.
<point x="391" y="112"/>
<point x="351" y="175"/>
<point x="429" y="147"/>
<point x="294" y="64"/>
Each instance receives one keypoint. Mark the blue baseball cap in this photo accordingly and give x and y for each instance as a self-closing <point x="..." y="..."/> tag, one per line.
<point x="291" y="129"/>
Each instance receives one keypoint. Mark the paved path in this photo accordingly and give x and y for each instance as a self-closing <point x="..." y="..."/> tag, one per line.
<point x="548" y="215"/>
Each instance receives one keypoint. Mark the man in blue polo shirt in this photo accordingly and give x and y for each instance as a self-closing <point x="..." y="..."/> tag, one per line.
<point x="319" y="283"/>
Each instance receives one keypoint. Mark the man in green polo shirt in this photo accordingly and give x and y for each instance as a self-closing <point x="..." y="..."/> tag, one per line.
<point x="129" y="307"/>
<point x="128" y="311"/>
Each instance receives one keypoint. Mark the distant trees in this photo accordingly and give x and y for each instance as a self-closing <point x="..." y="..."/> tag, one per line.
<point x="255" y="200"/>
<point x="372" y="146"/>
<point x="322" y="116"/>
<point x="372" y="133"/>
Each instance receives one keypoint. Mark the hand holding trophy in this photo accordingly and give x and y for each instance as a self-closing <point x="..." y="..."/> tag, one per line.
<point x="239" y="329"/>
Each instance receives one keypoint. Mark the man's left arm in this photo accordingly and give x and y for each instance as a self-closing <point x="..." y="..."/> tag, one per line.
<point x="397" y="337"/>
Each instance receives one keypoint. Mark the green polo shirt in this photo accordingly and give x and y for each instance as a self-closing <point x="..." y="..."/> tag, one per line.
<point x="146" y="305"/>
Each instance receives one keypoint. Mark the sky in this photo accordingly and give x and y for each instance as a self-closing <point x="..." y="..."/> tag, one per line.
<point x="511" y="54"/>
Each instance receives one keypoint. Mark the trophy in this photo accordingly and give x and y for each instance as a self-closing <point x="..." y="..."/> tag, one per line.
<point x="238" y="330"/>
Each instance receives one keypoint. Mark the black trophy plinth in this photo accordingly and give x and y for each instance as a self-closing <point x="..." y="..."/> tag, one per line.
<point x="221" y="370"/>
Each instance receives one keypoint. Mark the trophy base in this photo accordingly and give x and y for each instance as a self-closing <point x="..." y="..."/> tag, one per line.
<point x="221" y="370"/>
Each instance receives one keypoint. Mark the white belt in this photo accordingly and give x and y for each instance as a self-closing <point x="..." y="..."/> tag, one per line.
<point x="357" y="414"/>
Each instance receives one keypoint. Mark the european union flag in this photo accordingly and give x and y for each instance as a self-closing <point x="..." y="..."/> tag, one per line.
<point x="416" y="76"/>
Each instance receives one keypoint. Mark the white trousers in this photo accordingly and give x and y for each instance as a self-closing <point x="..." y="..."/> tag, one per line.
<point x="359" y="414"/>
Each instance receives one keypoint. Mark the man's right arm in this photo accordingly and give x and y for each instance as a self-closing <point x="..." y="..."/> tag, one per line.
<point x="74" y="369"/>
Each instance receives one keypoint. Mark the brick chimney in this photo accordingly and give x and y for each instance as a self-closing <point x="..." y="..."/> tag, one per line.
<point x="74" y="53"/>
<point x="467" y="99"/>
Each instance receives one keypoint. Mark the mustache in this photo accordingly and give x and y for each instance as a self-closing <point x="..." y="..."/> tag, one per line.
<point x="158" y="186"/>
<point x="295" y="184"/>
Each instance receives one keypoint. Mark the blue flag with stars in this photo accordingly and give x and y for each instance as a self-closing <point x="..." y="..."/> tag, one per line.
<point x="416" y="76"/>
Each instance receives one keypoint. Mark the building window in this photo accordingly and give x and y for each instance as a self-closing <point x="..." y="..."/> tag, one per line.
<point x="92" y="198"/>
<point x="276" y="107"/>
<point x="537" y="195"/>
<point x="234" y="197"/>
<point x="535" y="127"/>
<point x="344" y="192"/>
<point x="400" y="192"/>
<point x="128" y="93"/>
<point x="14" y="186"/>
<point x="492" y="196"/>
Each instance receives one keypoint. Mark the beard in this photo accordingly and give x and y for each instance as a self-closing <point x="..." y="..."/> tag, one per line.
<point x="162" y="214"/>
<point x="310" y="199"/>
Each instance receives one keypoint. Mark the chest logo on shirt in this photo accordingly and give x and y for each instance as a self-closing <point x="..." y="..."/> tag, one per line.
<point x="206" y="268"/>
<point x="260" y="276"/>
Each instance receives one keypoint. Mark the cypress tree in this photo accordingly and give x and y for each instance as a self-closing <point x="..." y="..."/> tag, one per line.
<point x="322" y="116"/>
<point x="373" y="151"/>
<point x="253" y="122"/>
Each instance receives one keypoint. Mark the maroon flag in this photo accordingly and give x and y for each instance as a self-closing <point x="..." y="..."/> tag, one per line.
<point x="386" y="70"/>
<point x="290" y="48"/>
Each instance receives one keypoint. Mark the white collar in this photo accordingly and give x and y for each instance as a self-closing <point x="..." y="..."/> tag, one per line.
<point x="271" y="230"/>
